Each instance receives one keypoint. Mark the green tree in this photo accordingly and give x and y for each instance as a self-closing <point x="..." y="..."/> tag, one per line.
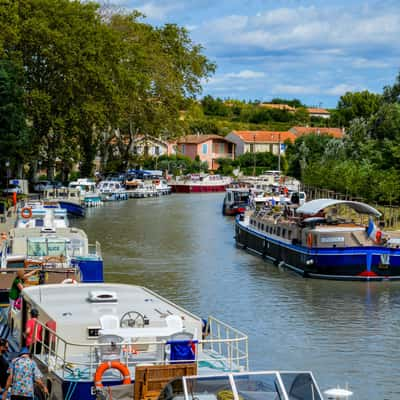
<point x="357" y="105"/>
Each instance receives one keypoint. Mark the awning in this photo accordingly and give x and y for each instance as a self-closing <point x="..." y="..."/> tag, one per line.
<point x="315" y="206"/>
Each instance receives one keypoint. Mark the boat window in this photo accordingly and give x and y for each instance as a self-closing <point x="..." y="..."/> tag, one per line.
<point x="258" y="387"/>
<point x="271" y="229"/>
<point x="300" y="386"/>
<point x="278" y="230"/>
<point x="259" y="225"/>
<point x="262" y="227"/>
<point x="283" y="233"/>
<point x="289" y="235"/>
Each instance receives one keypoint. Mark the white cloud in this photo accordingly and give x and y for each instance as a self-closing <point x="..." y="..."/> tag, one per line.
<point x="341" y="89"/>
<point x="155" y="11"/>
<point x="295" y="89"/>
<point x="246" y="74"/>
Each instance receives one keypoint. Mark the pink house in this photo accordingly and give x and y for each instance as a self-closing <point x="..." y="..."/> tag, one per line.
<point x="208" y="147"/>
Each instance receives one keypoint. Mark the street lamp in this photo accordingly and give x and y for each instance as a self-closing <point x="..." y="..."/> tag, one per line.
<point x="279" y="153"/>
<point x="254" y="155"/>
<point x="7" y="172"/>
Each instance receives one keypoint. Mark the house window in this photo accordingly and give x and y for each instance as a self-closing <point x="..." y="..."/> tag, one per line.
<point x="183" y="148"/>
<point x="221" y="148"/>
<point x="252" y="148"/>
<point x="204" y="148"/>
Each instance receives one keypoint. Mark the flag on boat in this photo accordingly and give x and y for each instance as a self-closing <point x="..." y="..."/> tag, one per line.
<point x="372" y="231"/>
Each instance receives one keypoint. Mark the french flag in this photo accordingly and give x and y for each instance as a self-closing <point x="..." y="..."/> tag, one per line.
<point x="372" y="230"/>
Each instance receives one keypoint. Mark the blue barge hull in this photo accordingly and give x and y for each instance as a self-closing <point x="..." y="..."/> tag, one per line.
<point x="350" y="263"/>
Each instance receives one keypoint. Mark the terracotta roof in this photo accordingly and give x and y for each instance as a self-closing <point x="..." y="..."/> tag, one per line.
<point x="196" y="139"/>
<point x="265" y="136"/>
<point x="305" y="130"/>
<point x="312" y="110"/>
<point x="277" y="106"/>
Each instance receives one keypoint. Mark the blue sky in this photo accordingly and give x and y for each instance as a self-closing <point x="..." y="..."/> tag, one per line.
<point x="311" y="50"/>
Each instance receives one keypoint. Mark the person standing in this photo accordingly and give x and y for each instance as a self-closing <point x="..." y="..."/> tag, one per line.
<point x="33" y="333"/>
<point x="23" y="374"/>
<point x="3" y="364"/>
<point x="18" y="285"/>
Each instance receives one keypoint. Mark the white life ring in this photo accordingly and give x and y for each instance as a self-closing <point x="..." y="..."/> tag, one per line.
<point x="69" y="281"/>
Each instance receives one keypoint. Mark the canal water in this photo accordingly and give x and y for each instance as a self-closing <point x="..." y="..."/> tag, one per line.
<point x="182" y="247"/>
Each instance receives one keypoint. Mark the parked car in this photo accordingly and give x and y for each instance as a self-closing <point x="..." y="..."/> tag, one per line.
<point x="12" y="189"/>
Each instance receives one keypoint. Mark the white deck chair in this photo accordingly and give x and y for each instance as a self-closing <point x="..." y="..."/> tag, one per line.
<point x="109" y="322"/>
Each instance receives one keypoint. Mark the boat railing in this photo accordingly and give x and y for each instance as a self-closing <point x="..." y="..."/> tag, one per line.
<point x="221" y="348"/>
<point x="94" y="249"/>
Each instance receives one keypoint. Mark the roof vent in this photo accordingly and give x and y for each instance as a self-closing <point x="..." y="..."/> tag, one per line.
<point x="47" y="230"/>
<point x="97" y="296"/>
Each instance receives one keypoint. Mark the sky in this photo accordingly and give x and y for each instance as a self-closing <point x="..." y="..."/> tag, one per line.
<point x="313" y="50"/>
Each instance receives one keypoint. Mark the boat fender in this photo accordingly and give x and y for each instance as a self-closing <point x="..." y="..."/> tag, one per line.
<point x="26" y="212"/>
<point x="378" y="236"/>
<point x="309" y="240"/>
<point x="103" y="367"/>
<point x="69" y="281"/>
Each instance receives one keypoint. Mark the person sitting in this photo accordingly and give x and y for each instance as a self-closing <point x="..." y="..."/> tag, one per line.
<point x="33" y="333"/>
<point x="18" y="285"/>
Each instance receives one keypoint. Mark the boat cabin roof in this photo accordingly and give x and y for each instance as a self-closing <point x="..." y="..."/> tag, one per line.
<point x="315" y="206"/>
<point x="75" y="304"/>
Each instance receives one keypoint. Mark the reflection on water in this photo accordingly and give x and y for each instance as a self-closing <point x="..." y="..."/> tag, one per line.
<point x="182" y="247"/>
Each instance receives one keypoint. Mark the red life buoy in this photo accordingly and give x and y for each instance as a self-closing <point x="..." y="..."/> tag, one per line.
<point x="103" y="367"/>
<point x="26" y="212"/>
<point x="378" y="236"/>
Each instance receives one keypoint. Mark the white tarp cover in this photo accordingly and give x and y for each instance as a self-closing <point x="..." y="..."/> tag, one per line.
<point x="315" y="206"/>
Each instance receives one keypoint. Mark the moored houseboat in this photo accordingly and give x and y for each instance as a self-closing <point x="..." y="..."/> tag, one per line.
<point x="197" y="183"/>
<point x="104" y="329"/>
<point x="236" y="201"/>
<point x="325" y="238"/>
<point x="43" y="240"/>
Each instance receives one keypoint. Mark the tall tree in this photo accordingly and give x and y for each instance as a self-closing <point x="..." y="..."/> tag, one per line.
<point x="14" y="140"/>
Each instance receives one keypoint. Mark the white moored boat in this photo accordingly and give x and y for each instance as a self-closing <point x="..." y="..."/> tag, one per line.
<point x="88" y="326"/>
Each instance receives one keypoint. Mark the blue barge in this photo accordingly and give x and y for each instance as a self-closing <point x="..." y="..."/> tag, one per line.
<point x="324" y="238"/>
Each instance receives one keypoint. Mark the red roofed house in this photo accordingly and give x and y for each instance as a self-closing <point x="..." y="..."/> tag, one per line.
<point x="259" y="141"/>
<point x="305" y="130"/>
<point x="318" y="112"/>
<point x="208" y="147"/>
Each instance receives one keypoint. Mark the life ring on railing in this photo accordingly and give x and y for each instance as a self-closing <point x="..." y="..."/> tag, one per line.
<point x="103" y="367"/>
<point x="26" y="212"/>
<point x="69" y="281"/>
<point x="309" y="240"/>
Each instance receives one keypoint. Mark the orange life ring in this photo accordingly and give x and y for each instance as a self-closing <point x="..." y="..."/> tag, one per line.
<point x="26" y="212"/>
<point x="103" y="367"/>
<point x="309" y="240"/>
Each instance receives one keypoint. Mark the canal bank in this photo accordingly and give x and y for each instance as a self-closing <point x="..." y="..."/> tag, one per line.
<point x="182" y="247"/>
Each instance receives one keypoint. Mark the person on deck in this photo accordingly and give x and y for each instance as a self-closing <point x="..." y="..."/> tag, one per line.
<point x="23" y="374"/>
<point x="33" y="333"/>
<point x="3" y="364"/>
<point x="18" y="285"/>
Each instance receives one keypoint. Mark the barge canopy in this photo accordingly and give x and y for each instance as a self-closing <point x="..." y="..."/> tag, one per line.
<point x="315" y="206"/>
